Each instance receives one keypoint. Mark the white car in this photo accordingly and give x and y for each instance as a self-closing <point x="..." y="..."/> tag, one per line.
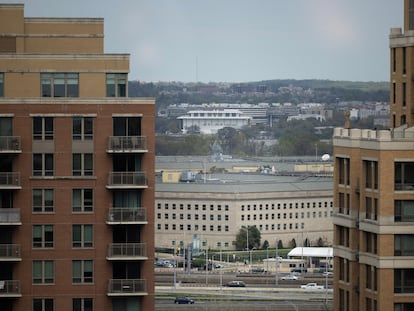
<point x="289" y="277"/>
<point x="312" y="286"/>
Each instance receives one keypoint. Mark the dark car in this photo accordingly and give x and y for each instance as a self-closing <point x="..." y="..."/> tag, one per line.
<point x="299" y="270"/>
<point x="235" y="284"/>
<point x="183" y="300"/>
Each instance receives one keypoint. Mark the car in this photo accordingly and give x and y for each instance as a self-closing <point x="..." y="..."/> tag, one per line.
<point x="328" y="273"/>
<point x="312" y="286"/>
<point x="299" y="270"/>
<point x="183" y="300"/>
<point x="289" y="277"/>
<point x="235" y="284"/>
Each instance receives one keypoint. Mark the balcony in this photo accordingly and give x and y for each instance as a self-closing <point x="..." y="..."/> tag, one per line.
<point x="10" y="180"/>
<point x="132" y="144"/>
<point x="133" y="216"/>
<point x="10" y="252"/>
<point x="127" y="251"/>
<point x="10" y="144"/>
<point x="127" y="180"/>
<point x="10" y="216"/>
<point x="10" y="288"/>
<point x="127" y="287"/>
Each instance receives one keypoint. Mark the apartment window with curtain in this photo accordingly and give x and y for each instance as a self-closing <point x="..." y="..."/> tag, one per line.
<point x="82" y="304"/>
<point x="43" y="272"/>
<point x="82" y="200"/>
<point x="82" y="271"/>
<point x="42" y="236"/>
<point x="42" y="200"/>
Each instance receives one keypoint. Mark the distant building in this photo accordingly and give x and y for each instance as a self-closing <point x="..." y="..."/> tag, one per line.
<point x="210" y="121"/>
<point x="217" y="206"/>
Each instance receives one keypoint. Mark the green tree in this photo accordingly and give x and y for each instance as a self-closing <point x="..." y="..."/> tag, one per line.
<point x="253" y="235"/>
<point x="265" y="244"/>
<point x="293" y="243"/>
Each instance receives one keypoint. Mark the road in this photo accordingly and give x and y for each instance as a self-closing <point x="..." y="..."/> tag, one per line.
<point x="243" y="299"/>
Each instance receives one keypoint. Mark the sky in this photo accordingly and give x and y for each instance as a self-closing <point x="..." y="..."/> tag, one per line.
<point x="241" y="40"/>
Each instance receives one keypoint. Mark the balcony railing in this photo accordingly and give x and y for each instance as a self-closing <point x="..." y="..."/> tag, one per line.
<point x="10" y="216"/>
<point x="10" y="288"/>
<point x="10" y="252"/>
<point x="120" y="251"/>
<point x="127" y="180"/>
<point x="127" y="144"/>
<point x="10" y="180"/>
<point x="127" y="287"/>
<point x="10" y="144"/>
<point x="127" y="215"/>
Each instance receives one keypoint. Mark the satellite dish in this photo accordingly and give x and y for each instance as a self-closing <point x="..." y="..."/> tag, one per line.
<point x="326" y="157"/>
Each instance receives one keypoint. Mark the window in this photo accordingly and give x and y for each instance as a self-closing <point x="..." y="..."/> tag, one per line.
<point x="116" y="84"/>
<point x="404" y="176"/>
<point x="127" y="126"/>
<point x="404" y="210"/>
<point x="60" y="84"/>
<point x="43" y="272"/>
<point x="43" y="128"/>
<point x="82" y="128"/>
<point x="43" y="304"/>
<point x="82" y="200"/>
<point x="403" y="280"/>
<point x="82" y="236"/>
<point x="82" y="271"/>
<point x="42" y="200"/>
<point x="411" y="15"/>
<point x="82" y="304"/>
<point x="42" y="236"/>
<point x="82" y="164"/>
<point x="403" y="306"/>
<point x="42" y="164"/>
<point x="343" y="166"/>
<point x="404" y="245"/>
<point x="1" y="84"/>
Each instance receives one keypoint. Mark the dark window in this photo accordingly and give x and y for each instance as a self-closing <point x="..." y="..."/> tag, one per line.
<point x="43" y="304"/>
<point x="82" y="164"/>
<point x="411" y="15"/>
<point x="404" y="245"/>
<point x="82" y="304"/>
<point x="404" y="210"/>
<point x="42" y="164"/>
<point x="1" y="84"/>
<point x="60" y="84"/>
<point x="42" y="128"/>
<point x="116" y="84"/>
<point x="404" y="176"/>
<point x="82" y="128"/>
<point x="42" y="236"/>
<point x="403" y="280"/>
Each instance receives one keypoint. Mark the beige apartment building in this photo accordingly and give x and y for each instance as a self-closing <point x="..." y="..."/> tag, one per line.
<point x="214" y="210"/>
<point x="76" y="170"/>
<point x="374" y="196"/>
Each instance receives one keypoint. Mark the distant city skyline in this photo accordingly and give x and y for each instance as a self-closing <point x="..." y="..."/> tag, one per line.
<point x="241" y="40"/>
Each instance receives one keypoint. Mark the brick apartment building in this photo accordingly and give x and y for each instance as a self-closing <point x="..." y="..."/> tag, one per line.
<point x="374" y="196"/>
<point x="76" y="170"/>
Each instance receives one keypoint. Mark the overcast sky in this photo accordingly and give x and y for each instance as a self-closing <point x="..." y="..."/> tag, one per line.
<point x="241" y="40"/>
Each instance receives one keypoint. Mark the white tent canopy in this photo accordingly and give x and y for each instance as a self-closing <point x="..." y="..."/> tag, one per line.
<point x="325" y="252"/>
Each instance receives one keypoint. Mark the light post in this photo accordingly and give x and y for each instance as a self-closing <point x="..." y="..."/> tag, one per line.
<point x="221" y="270"/>
<point x="175" y="262"/>
<point x="277" y="264"/>
<point x="207" y="265"/>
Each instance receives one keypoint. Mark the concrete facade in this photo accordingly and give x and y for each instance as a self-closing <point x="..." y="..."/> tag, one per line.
<point x="76" y="170"/>
<point x="281" y="207"/>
